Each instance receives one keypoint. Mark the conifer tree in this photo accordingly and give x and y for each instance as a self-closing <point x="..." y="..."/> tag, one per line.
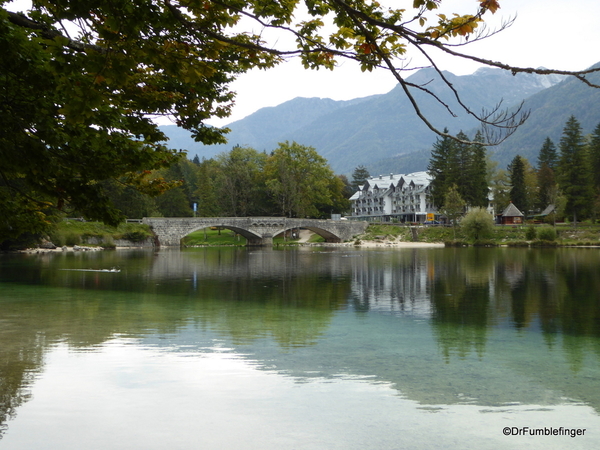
<point x="438" y="168"/>
<point x="548" y="155"/>
<point x="460" y="166"/>
<point x="477" y="173"/>
<point x="518" y="191"/>
<point x="359" y="176"/>
<point x="595" y="162"/>
<point x="546" y="178"/>
<point x="595" y="158"/>
<point x="575" y="177"/>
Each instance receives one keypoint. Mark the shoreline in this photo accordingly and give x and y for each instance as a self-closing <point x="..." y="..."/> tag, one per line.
<point x="363" y="244"/>
<point x="380" y="244"/>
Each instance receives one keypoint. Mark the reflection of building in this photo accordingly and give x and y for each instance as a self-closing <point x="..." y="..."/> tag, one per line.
<point x="397" y="285"/>
<point x="401" y="197"/>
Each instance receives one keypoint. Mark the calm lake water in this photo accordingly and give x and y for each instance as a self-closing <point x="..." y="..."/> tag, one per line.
<point x="311" y="348"/>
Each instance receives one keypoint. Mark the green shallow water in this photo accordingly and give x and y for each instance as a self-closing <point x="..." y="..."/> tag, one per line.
<point x="305" y="348"/>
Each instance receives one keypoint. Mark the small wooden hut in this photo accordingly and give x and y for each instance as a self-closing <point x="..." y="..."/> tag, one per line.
<point x="511" y="216"/>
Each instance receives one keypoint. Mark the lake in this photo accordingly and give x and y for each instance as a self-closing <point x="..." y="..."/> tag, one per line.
<point x="305" y="348"/>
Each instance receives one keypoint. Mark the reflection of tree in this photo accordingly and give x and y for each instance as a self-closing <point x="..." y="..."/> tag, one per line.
<point x="19" y="362"/>
<point x="294" y="310"/>
<point x="555" y="288"/>
<point x="241" y="299"/>
<point x="460" y="295"/>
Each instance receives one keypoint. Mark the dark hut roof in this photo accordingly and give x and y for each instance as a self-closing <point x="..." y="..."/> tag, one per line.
<point x="511" y="211"/>
<point x="548" y="210"/>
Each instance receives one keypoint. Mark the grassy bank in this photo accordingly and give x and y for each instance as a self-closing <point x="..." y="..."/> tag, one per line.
<point x="75" y="232"/>
<point x="210" y="236"/>
<point x="524" y="235"/>
<point x="215" y="237"/>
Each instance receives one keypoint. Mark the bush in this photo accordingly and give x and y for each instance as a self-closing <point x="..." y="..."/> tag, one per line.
<point x="485" y="243"/>
<point x="108" y="242"/>
<point x="530" y="233"/>
<point x="517" y="244"/>
<point x="455" y="243"/>
<point x="71" y="239"/>
<point x="546" y="234"/>
<point x="477" y="224"/>
<point x="58" y="239"/>
<point x="135" y="236"/>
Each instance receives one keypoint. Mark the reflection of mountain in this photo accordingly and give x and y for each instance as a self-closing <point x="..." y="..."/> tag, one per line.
<point x="443" y="325"/>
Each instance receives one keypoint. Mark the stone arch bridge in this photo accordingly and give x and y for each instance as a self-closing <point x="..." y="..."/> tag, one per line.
<point x="257" y="230"/>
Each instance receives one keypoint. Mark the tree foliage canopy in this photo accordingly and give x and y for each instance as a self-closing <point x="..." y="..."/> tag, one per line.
<point x="300" y="181"/>
<point x="80" y="84"/>
<point x="454" y="205"/>
<point x="293" y="180"/>
<point x="478" y="224"/>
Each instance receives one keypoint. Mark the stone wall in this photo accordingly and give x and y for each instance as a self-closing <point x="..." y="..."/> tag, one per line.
<point x="146" y="243"/>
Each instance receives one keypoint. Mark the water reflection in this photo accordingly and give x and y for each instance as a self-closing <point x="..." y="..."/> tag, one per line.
<point x="442" y="326"/>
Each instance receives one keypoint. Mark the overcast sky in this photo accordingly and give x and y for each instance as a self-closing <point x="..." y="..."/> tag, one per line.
<point x="559" y="34"/>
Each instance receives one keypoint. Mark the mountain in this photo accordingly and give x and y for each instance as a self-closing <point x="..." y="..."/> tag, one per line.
<point x="550" y="109"/>
<point x="375" y="128"/>
<point x="261" y="130"/>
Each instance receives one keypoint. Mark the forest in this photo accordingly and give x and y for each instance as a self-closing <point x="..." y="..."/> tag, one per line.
<point x="565" y="176"/>
<point x="291" y="181"/>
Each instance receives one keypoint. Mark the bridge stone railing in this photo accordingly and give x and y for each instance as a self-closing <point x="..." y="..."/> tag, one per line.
<point x="257" y="230"/>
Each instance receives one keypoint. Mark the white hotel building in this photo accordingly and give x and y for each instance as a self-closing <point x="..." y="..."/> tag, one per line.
<point x="402" y="198"/>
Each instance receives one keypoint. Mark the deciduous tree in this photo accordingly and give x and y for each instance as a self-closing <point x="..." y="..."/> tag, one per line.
<point x="80" y="83"/>
<point x="500" y="185"/>
<point x="478" y="224"/>
<point x="454" y="206"/>
<point x="205" y="193"/>
<point x="301" y="181"/>
<point x="240" y="183"/>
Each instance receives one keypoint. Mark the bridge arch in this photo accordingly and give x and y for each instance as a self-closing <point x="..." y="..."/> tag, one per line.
<point x="327" y="235"/>
<point x="251" y="238"/>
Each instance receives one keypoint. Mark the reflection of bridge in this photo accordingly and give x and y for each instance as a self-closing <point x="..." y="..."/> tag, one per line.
<point x="257" y="230"/>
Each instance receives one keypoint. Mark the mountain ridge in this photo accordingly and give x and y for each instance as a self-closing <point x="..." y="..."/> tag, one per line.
<point x="384" y="126"/>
